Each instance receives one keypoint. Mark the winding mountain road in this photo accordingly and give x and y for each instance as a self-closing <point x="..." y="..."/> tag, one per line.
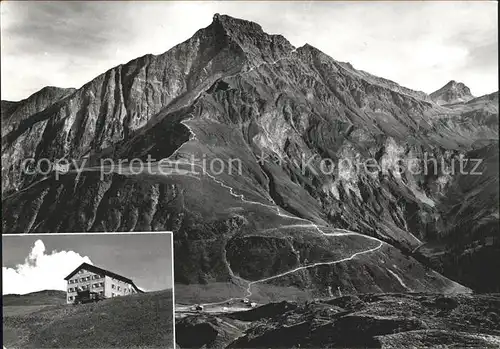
<point x="249" y="288"/>
<point x="340" y="232"/>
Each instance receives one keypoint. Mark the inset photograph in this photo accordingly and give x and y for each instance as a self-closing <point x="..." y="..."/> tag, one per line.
<point x="102" y="290"/>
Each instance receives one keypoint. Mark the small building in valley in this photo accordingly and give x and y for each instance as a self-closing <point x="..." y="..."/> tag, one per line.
<point x="102" y="281"/>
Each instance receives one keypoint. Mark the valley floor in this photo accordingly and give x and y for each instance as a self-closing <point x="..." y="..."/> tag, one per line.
<point x="390" y="320"/>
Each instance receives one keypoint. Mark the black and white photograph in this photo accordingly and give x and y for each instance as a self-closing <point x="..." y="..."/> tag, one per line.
<point x="329" y="171"/>
<point x="88" y="290"/>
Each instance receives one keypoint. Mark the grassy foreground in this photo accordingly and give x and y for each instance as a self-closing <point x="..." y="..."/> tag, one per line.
<point x="136" y="321"/>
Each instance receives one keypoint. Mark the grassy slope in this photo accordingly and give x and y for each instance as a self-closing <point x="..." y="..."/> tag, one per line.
<point x="47" y="297"/>
<point x="383" y="270"/>
<point x="143" y="320"/>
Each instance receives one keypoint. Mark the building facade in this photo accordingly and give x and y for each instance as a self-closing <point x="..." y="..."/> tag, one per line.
<point x="101" y="281"/>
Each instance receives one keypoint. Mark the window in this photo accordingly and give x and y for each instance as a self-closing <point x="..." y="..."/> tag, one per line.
<point x="118" y="288"/>
<point x="113" y="295"/>
<point x="101" y="293"/>
<point x="70" y="298"/>
<point x="113" y="286"/>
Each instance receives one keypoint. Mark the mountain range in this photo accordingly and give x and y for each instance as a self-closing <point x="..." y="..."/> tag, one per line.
<point x="230" y="92"/>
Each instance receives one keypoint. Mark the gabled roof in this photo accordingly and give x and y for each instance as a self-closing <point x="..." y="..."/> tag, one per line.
<point x="101" y="271"/>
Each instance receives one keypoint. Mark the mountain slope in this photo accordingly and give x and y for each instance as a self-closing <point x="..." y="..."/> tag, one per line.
<point x="233" y="92"/>
<point x="470" y="217"/>
<point x="47" y="297"/>
<point x="137" y="321"/>
<point x="20" y="122"/>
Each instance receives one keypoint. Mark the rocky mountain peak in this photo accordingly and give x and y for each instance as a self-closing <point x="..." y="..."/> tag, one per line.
<point x="234" y="25"/>
<point x="457" y="85"/>
<point x="251" y="38"/>
<point x="452" y="92"/>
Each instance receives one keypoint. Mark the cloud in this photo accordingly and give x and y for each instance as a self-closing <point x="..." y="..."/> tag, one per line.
<point x="41" y="271"/>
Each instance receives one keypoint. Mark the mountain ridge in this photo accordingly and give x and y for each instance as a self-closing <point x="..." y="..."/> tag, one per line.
<point x="232" y="91"/>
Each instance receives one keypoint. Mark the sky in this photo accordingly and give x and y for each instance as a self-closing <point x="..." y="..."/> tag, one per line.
<point x="421" y="45"/>
<point x="40" y="262"/>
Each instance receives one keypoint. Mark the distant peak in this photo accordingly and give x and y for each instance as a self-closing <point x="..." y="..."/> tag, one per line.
<point x="455" y="84"/>
<point x="452" y="92"/>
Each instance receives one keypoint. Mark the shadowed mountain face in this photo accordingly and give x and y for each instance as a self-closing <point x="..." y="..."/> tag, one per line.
<point x="233" y="92"/>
